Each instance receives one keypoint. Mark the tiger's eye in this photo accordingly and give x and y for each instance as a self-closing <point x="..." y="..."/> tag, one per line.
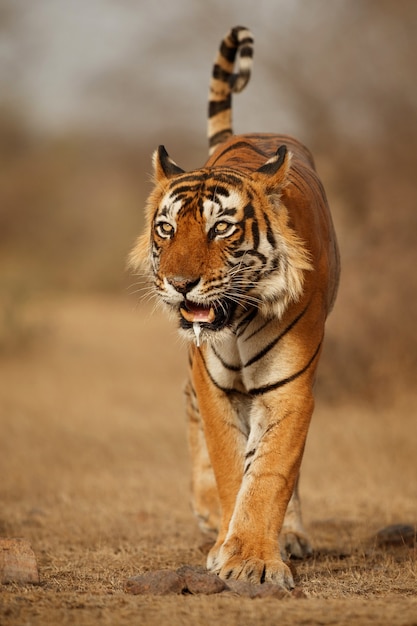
<point x="223" y="228"/>
<point x="164" y="229"/>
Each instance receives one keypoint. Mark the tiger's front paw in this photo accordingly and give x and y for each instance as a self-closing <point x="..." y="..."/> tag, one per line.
<point x="233" y="560"/>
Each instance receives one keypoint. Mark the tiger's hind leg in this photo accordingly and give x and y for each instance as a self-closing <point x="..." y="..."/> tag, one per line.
<point x="205" y="500"/>
<point x="294" y="541"/>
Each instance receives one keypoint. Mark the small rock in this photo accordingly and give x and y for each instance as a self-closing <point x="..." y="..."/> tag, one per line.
<point x="298" y="593"/>
<point x="397" y="535"/>
<point x="198" y="580"/>
<point x="262" y="590"/>
<point x="158" y="583"/>
<point x="17" y="562"/>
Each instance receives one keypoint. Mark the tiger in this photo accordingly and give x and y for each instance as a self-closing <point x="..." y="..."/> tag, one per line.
<point x="243" y="252"/>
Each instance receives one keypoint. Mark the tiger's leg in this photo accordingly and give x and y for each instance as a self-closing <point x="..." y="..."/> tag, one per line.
<point x="225" y="442"/>
<point x="205" y="499"/>
<point x="250" y="548"/>
<point x="294" y="540"/>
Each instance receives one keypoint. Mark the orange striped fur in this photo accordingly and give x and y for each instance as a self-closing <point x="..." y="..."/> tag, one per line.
<point x="243" y="252"/>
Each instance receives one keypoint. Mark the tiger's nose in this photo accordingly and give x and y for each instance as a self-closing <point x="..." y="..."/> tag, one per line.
<point x="183" y="284"/>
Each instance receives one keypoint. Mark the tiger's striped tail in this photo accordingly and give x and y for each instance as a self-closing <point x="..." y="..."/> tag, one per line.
<point x="224" y="81"/>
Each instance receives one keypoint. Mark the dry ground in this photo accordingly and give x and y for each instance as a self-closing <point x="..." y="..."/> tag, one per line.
<point x="94" y="473"/>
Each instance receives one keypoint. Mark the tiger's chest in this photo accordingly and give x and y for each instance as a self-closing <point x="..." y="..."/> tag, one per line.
<point x="257" y="354"/>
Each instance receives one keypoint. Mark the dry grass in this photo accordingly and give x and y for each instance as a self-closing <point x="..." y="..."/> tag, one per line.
<point x="94" y="473"/>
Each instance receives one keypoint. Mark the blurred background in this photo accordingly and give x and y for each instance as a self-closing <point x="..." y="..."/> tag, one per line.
<point x="89" y="88"/>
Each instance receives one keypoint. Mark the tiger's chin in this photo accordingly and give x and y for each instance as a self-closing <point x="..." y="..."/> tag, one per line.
<point x="205" y="322"/>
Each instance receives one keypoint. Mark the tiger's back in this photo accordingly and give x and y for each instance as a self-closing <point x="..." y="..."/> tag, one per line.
<point x="243" y="251"/>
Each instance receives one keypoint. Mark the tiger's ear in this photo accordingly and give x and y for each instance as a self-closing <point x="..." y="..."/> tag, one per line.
<point x="274" y="172"/>
<point x="164" y="167"/>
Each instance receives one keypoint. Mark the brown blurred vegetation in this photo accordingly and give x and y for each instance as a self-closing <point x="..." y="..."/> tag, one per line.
<point x="71" y="206"/>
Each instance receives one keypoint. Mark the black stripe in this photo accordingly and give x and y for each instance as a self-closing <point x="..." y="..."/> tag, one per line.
<point x="249" y="211"/>
<point x="218" y="106"/>
<point x="258" y="391"/>
<point x="255" y="234"/>
<point x="215" y="383"/>
<point x="229" y="53"/>
<point x="189" y="178"/>
<point x="296" y="185"/>
<point x="273" y="343"/>
<point x="220" y="137"/>
<point x="250" y="253"/>
<point x="234" y="35"/>
<point x="228" y="366"/>
<point x="269" y="232"/>
<point x="220" y="74"/>
<point x="229" y="212"/>
<point x="258" y="330"/>
<point x="229" y="177"/>
<point x="218" y="190"/>
<point x="241" y="144"/>
<point x="246" y="50"/>
<point x="164" y="212"/>
<point x="182" y="189"/>
<point x="244" y="323"/>
<point x="225" y="390"/>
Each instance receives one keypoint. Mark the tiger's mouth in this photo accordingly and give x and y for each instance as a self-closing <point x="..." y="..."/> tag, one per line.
<point x="213" y="316"/>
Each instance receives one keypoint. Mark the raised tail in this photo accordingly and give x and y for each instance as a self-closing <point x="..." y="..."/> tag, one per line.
<point x="224" y="81"/>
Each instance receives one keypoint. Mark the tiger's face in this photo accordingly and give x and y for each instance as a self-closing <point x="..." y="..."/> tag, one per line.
<point x="218" y="242"/>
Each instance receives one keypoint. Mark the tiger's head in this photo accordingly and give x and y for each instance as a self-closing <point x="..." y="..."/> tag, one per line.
<point x="217" y="240"/>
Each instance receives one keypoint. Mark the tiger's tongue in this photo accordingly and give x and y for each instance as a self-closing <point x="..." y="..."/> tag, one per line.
<point x="198" y="313"/>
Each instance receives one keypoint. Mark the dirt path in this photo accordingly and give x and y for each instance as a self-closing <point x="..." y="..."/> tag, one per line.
<point x="94" y="473"/>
